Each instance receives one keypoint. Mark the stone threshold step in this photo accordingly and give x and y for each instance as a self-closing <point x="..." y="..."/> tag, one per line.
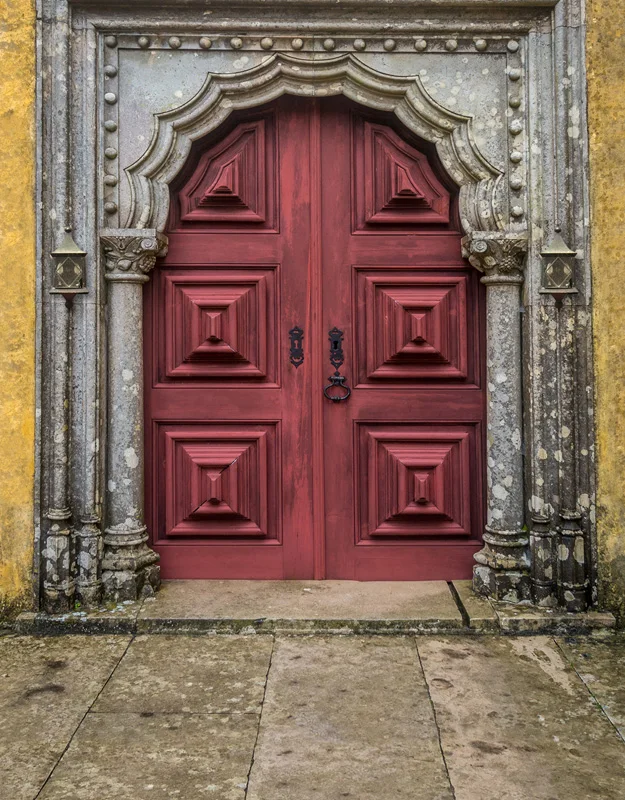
<point x="304" y="607"/>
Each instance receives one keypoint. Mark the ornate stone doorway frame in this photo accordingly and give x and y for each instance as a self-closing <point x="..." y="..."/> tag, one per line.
<point x="91" y="537"/>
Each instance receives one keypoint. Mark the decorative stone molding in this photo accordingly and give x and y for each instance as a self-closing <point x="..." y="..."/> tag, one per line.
<point x="129" y="567"/>
<point x="482" y="199"/>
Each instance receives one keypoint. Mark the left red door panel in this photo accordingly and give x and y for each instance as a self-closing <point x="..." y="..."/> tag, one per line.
<point x="228" y="409"/>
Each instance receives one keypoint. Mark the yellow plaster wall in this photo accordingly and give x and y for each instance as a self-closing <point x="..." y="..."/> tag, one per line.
<point x="606" y="87"/>
<point x="17" y="301"/>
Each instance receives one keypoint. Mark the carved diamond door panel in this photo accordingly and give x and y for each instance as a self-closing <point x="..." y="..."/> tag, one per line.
<point x="413" y="481"/>
<point x="411" y="326"/>
<point x="314" y="245"/>
<point x="235" y="183"/>
<point x="220" y="480"/>
<point x="220" y="324"/>
<point x="394" y="184"/>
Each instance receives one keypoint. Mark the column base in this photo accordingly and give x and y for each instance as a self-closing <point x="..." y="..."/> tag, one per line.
<point x="508" y="586"/>
<point x="58" y="600"/>
<point x="89" y="554"/>
<point x="502" y="569"/>
<point x="574" y="597"/>
<point x="120" y="585"/>
<point x="544" y="594"/>
<point x="130" y="568"/>
<point x="57" y="563"/>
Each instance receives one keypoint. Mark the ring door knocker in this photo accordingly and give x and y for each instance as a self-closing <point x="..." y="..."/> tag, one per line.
<point x="336" y="359"/>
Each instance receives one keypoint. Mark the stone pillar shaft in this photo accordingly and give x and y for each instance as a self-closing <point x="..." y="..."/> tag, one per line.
<point x="502" y="566"/>
<point x="130" y="567"/>
<point x="57" y="553"/>
<point x="572" y="579"/>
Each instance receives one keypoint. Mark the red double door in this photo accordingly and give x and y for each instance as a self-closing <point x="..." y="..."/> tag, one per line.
<point x="313" y="244"/>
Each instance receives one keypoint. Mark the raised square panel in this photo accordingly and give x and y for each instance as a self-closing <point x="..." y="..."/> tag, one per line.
<point x="220" y="324"/>
<point x="234" y="186"/>
<point x="413" y="481"/>
<point x="394" y="184"/>
<point x="219" y="480"/>
<point x="411" y="327"/>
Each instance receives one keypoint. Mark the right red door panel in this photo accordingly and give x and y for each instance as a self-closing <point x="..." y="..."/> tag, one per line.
<point x="308" y="216"/>
<point x="403" y="482"/>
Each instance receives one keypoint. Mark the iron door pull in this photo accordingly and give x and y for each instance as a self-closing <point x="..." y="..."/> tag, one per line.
<point x="336" y="359"/>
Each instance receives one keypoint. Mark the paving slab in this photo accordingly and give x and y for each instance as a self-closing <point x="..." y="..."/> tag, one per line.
<point x="517" y="723"/>
<point x="46" y="687"/>
<point x="205" y="674"/>
<point x="153" y="757"/>
<point x="347" y="717"/>
<point x="301" y="606"/>
<point x="601" y="666"/>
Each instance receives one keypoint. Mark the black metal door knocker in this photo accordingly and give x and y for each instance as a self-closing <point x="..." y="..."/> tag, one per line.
<point x="336" y="359"/>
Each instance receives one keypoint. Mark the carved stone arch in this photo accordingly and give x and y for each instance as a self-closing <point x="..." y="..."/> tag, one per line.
<point x="482" y="199"/>
<point x="502" y="565"/>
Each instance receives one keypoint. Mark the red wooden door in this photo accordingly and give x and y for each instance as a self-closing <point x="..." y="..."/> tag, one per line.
<point x="314" y="215"/>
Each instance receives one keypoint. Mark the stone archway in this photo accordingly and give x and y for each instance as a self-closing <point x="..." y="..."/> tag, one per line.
<point x="131" y="253"/>
<point x="514" y="190"/>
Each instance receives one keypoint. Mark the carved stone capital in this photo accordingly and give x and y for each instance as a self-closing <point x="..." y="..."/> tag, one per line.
<point x="500" y="256"/>
<point x="130" y="253"/>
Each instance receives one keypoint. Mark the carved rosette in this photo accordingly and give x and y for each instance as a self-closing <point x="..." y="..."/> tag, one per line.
<point x="130" y="253"/>
<point x="500" y="256"/>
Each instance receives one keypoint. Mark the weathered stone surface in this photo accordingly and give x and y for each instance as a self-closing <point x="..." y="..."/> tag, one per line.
<point x="479" y="611"/>
<point x="140" y="756"/>
<point x="517" y="723"/>
<point x="601" y="666"/>
<point x="524" y="619"/>
<point x="347" y="717"/>
<point x="208" y="674"/>
<point x="110" y="618"/>
<point x="46" y="686"/>
<point x="301" y="605"/>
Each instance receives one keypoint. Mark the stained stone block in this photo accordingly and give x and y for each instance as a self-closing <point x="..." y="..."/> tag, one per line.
<point x="516" y="722"/>
<point x="601" y="665"/>
<point x="224" y="674"/>
<point x="153" y="757"/>
<point x="46" y="687"/>
<point x="347" y="717"/>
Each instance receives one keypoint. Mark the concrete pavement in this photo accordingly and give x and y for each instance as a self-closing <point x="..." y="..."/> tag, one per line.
<point x="270" y="717"/>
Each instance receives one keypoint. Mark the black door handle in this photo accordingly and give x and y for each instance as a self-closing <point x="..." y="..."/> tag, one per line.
<point x="336" y="359"/>
<point x="296" y="351"/>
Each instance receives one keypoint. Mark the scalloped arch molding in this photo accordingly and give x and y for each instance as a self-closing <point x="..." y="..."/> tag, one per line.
<point x="482" y="203"/>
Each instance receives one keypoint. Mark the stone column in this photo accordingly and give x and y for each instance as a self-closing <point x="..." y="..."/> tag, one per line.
<point x="502" y="566"/>
<point x="572" y="575"/>
<point x="130" y="567"/>
<point x="57" y="552"/>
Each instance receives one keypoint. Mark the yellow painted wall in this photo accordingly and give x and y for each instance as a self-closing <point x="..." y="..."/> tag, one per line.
<point x="17" y="301"/>
<point x="606" y="87"/>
